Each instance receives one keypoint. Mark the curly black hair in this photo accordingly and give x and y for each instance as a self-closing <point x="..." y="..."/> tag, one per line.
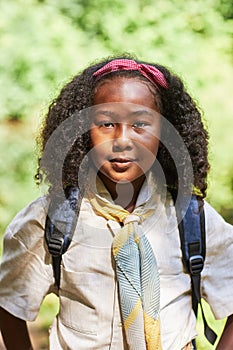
<point x="175" y="103"/>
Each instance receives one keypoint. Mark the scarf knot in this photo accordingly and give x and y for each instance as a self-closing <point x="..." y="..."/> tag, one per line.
<point x="132" y="218"/>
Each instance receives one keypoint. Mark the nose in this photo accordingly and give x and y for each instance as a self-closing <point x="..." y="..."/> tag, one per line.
<point x="122" y="140"/>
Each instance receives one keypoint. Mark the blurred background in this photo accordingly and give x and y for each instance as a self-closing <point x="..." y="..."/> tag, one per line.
<point x="43" y="43"/>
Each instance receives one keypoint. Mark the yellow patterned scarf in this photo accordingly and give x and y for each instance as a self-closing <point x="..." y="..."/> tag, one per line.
<point x="137" y="273"/>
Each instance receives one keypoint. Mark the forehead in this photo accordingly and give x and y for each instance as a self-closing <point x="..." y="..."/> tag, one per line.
<point x="125" y="90"/>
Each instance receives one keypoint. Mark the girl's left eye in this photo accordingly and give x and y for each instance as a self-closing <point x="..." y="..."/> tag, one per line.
<point x="139" y="124"/>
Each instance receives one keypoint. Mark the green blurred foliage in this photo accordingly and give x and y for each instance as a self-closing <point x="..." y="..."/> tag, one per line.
<point x="17" y="165"/>
<point x="39" y="49"/>
<point x="44" y="42"/>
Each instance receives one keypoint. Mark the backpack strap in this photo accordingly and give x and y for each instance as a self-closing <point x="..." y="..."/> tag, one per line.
<point x="60" y="225"/>
<point x="191" y="224"/>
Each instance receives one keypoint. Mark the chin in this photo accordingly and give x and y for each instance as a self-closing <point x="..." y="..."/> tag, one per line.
<point x="122" y="179"/>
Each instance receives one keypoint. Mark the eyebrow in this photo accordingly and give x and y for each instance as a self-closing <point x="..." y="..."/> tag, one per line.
<point x="143" y="111"/>
<point x="134" y="113"/>
<point x="104" y="112"/>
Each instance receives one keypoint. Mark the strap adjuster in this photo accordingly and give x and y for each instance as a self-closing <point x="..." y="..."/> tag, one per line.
<point x="55" y="246"/>
<point x="196" y="264"/>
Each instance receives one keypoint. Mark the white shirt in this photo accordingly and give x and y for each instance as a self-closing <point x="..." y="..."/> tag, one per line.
<point x="89" y="316"/>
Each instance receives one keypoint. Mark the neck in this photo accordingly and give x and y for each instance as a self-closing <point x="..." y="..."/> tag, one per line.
<point x="124" y="194"/>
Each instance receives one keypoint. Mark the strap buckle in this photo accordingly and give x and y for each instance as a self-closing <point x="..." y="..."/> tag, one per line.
<point x="55" y="246"/>
<point x="196" y="264"/>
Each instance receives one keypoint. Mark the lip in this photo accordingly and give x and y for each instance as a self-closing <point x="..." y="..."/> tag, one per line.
<point x="121" y="163"/>
<point x="121" y="160"/>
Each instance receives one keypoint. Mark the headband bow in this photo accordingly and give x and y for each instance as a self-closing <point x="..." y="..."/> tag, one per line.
<point x="148" y="71"/>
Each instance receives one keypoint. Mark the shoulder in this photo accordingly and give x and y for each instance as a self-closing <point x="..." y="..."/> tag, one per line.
<point x="214" y="221"/>
<point x="29" y="220"/>
<point x="219" y="233"/>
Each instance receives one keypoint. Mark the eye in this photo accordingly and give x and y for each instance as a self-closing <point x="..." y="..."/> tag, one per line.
<point x="139" y="125"/>
<point x="107" y="125"/>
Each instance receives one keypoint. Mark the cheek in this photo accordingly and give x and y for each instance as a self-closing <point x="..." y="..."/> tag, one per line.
<point x="155" y="147"/>
<point x="147" y="154"/>
<point x="150" y="147"/>
<point x="98" y="138"/>
<point x="99" y="152"/>
<point x="94" y="138"/>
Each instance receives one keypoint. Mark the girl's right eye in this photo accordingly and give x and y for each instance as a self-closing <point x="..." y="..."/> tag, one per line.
<point x="106" y="125"/>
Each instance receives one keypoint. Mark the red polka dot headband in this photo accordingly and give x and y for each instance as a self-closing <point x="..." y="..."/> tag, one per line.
<point x="148" y="71"/>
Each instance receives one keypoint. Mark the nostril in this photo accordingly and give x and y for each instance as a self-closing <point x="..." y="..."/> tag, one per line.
<point x="120" y="144"/>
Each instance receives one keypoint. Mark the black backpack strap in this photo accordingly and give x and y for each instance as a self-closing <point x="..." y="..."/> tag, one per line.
<point x="60" y="225"/>
<point x="191" y="224"/>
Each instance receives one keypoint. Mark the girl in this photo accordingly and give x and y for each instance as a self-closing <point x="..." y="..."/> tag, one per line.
<point x="114" y="132"/>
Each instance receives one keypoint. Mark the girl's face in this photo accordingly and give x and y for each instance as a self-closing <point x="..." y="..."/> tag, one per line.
<point x="124" y="130"/>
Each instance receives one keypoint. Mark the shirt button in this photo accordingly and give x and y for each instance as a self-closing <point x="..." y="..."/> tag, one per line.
<point x="120" y="324"/>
